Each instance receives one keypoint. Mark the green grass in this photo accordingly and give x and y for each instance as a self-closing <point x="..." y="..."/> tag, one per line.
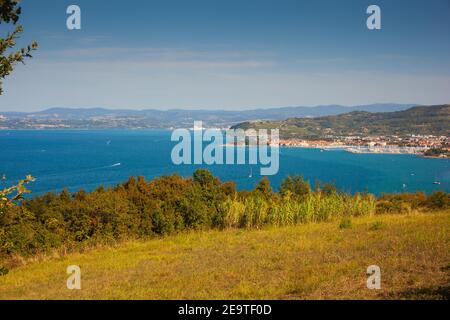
<point x="316" y="260"/>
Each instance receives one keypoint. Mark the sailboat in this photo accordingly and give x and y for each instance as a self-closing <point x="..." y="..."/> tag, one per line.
<point x="251" y="173"/>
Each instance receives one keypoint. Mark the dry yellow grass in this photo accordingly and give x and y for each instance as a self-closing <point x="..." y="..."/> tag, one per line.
<point x="314" y="261"/>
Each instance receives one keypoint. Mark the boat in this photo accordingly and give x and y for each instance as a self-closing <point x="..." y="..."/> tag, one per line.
<point x="250" y="175"/>
<point x="437" y="182"/>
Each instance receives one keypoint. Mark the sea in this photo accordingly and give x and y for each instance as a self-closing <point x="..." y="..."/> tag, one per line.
<point x="87" y="159"/>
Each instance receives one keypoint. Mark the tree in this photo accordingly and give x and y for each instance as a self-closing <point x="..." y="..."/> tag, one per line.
<point x="229" y="188"/>
<point x="301" y="187"/>
<point x="9" y="13"/>
<point x="264" y="187"/>
<point x="287" y="186"/>
<point x="204" y="178"/>
<point x="296" y="186"/>
<point x="330" y="189"/>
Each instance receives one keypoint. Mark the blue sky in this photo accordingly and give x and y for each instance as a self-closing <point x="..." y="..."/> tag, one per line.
<point x="231" y="54"/>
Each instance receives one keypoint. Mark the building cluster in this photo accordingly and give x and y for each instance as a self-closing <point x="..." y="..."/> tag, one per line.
<point x="415" y="144"/>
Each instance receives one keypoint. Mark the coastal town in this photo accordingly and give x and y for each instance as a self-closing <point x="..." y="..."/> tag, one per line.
<point x="427" y="145"/>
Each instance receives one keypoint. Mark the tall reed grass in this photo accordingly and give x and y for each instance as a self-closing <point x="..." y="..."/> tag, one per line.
<point x="255" y="212"/>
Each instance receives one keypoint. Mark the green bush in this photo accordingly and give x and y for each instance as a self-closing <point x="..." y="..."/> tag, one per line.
<point x="407" y="202"/>
<point x="438" y="200"/>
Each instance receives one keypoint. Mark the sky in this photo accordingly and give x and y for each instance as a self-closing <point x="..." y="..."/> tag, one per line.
<point x="230" y="54"/>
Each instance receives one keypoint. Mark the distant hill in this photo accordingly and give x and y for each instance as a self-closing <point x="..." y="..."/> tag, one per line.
<point x="101" y="118"/>
<point x="433" y="120"/>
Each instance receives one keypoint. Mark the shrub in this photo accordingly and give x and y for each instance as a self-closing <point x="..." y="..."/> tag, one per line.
<point x="438" y="200"/>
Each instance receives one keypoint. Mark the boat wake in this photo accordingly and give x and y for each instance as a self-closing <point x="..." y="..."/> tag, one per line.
<point x="114" y="165"/>
<point x="80" y="171"/>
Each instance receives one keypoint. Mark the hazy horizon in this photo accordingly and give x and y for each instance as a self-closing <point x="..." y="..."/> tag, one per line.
<point x="206" y="109"/>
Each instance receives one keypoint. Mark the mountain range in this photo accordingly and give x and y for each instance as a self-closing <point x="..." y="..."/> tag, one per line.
<point x="101" y="118"/>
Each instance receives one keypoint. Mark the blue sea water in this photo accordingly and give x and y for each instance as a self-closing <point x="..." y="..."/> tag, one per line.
<point x="87" y="159"/>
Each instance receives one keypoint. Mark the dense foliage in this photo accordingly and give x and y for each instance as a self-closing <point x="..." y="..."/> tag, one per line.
<point x="141" y="209"/>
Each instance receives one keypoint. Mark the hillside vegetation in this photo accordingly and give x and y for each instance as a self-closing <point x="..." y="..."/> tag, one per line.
<point x="138" y="209"/>
<point x="424" y="120"/>
<point x="317" y="261"/>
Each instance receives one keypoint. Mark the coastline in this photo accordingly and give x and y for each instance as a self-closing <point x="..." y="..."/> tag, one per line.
<point x="433" y="157"/>
<point x="355" y="149"/>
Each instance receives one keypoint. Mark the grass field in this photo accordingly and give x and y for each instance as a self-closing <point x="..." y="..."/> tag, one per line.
<point x="313" y="261"/>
